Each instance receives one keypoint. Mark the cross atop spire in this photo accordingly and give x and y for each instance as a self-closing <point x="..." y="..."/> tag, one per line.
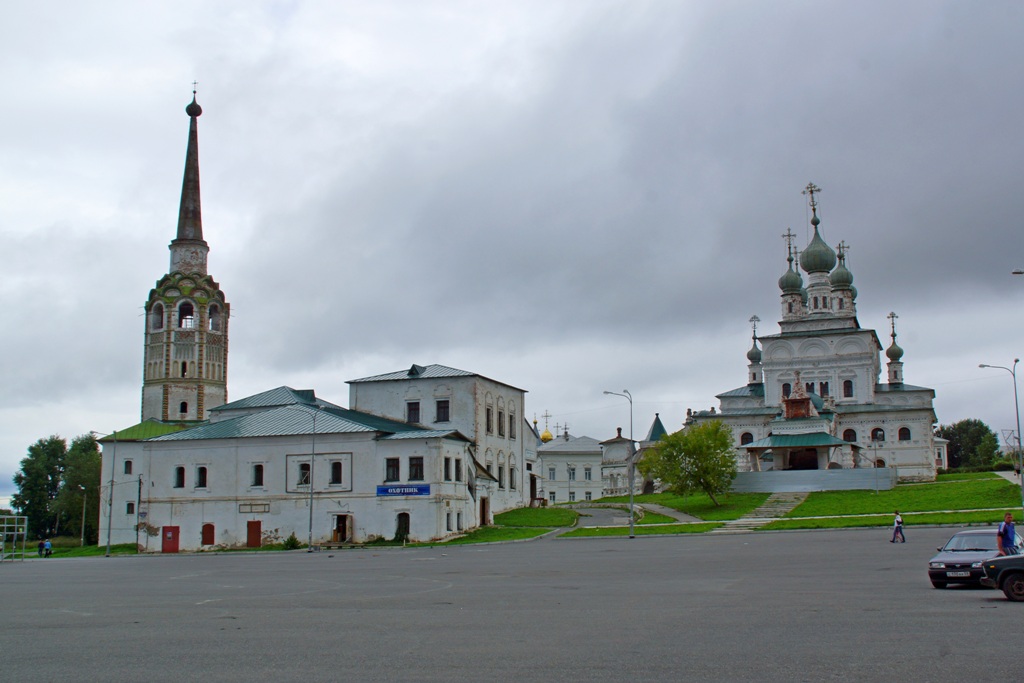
<point x="892" y="322"/>
<point x="788" y="236"/>
<point x="811" y="189"/>
<point x="754" y="320"/>
<point x="842" y="248"/>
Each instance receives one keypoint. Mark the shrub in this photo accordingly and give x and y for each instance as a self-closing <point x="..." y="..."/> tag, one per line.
<point x="292" y="543"/>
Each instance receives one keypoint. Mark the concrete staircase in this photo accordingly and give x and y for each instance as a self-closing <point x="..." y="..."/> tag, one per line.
<point x="777" y="505"/>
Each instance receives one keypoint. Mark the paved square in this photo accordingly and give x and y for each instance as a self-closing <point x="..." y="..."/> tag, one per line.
<point x="836" y="605"/>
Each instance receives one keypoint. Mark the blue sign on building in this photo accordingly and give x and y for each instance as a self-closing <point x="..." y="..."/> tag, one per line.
<point x="404" y="490"/>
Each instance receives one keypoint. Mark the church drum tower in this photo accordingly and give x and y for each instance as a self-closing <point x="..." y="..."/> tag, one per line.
<point x="185" y="365"/>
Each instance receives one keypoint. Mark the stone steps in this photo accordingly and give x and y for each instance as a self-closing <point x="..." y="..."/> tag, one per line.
<point x="777" y="505"/>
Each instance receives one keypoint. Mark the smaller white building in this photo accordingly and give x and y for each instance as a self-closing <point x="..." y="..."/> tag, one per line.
<point x="570" y="469"/>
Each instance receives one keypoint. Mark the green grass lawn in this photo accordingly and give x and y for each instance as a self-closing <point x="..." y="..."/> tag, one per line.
<point x="965" y="494"/>
<point x="909" y="520"/>
<point x="543" y="517"/>
<point x="640" y="530"/>
<point x="492" y="534"/>
<point x="733" y="505"/>
<point x="654" y="518"/>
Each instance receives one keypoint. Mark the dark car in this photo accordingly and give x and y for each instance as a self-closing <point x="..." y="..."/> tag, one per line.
<point x="1006" y="574"/>
<point x="963" y="557"/>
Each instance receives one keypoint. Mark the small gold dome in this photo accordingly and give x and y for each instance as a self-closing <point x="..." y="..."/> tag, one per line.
<point x="546" y="436"/>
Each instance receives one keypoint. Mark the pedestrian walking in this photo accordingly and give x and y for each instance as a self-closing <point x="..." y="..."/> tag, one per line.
<point x="41" y="547"/>
<point x="897" y="529"/>
<point x="47" y="548"/>
<point x="1006" y="536"/>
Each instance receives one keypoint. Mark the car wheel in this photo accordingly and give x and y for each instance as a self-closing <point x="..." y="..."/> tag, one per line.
<point x="938" y="584"/>
<point x="1013" y="587"/>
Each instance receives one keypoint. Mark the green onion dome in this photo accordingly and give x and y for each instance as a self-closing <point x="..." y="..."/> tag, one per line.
<point x="894" y="352"/>
<point x="791" y="282"/>
<point x="754" y="354"/>
<point x="818" y="257"/>
<point x="841" y="277"/>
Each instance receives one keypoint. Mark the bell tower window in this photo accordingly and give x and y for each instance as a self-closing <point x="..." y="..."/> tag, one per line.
<point x="214" y="323"/>
<point x="183" y="408"/>
<point x="156" y="317"/>
<point x="186" y="316"/>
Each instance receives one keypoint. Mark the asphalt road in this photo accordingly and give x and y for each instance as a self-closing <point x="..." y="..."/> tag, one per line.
<point x="795" y="606"/>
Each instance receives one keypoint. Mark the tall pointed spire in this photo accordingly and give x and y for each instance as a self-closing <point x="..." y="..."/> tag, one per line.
<point x="189" y="250"/>
<point x="190" y="217"/>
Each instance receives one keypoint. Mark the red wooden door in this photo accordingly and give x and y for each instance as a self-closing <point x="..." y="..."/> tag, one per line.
<point x="208" y="534"/>
<point x="169" y="544"/>
<point x="254" y="534"/>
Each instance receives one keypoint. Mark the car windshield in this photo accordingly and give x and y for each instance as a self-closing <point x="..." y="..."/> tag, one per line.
<point x="972" y="542"/>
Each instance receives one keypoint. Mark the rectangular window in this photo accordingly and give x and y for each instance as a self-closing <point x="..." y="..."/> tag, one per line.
<point x="179" y="477"/>
<point x="336" y="472"/>
<point x="512" y="426"/>
<point x="458" y="469"/>
<point x="127" y="466"/>
<point x="572" y="473"/>
<point x="447" y="469"/>
<point x="304" y="474"/>
<point x="257" y="475"/>
<point x="572" y="496"/>
<point x="512" y="478"/>
<point x="200" y="477"/>
<point x="501" y="423"/>
<point x="587" y="474"/>
<point x="129" y="509"/>
<point x="551" y="473"/>
<point x="501" y="476"/>
<point x="443" y="414"/>
<point x="551" y="496"/>
<point x="458" y="521"/>
<point x="587" y="495"/>
<point x="412" y="411"/>
<point x="416" y="468"/>
<point x="448" y="521"/>
<point x="489" y="419"/>
<point x="391" y="469"/>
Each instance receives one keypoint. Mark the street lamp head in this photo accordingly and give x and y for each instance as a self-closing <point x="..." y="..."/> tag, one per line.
<point x="606" y="393"/>
<point x="982" y="365"/>
<point x="1019" y="271"/>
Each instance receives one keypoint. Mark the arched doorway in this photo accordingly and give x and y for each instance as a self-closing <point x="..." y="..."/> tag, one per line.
<point x="208" y="534"/>
<point x="485" y="511"/>
<point x="402" y="530"/>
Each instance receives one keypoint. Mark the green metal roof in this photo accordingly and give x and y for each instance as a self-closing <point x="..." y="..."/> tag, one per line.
<point x="886" y="388"/>
<point x="425" y="372"/>
<point x="147" y="430"/>
<point x="748" y="391"/>
<point x="294" y="420"/>
<point x="281" y="396"/>
<point x="812" y="440"/>
<point x="657" y="429"/>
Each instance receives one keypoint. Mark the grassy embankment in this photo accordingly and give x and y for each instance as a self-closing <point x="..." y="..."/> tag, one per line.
<point x="970" y="498"/>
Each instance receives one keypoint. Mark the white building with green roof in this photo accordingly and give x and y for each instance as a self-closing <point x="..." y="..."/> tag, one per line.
<point x="814" y="398"/>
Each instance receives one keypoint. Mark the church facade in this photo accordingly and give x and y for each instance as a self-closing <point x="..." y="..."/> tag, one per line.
<point x="814" y="399"/>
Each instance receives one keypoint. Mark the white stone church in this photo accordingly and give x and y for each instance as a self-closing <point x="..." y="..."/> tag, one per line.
<point x="814" y="399"/>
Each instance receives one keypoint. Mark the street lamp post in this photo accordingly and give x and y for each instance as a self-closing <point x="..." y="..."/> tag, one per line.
<point x="632" y="451"/>
<point x="1016" y="406"/>
<point x="85" y="497"/>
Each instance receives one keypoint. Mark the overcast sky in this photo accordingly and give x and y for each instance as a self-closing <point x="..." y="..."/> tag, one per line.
<point x="568" y="197"/>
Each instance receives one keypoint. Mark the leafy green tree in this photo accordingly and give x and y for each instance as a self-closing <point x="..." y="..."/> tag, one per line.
<point x="698" y="458"/>
<point x="966" y="439"/>
<point x="80" y="483"/>
<point x="38" y="482"/>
